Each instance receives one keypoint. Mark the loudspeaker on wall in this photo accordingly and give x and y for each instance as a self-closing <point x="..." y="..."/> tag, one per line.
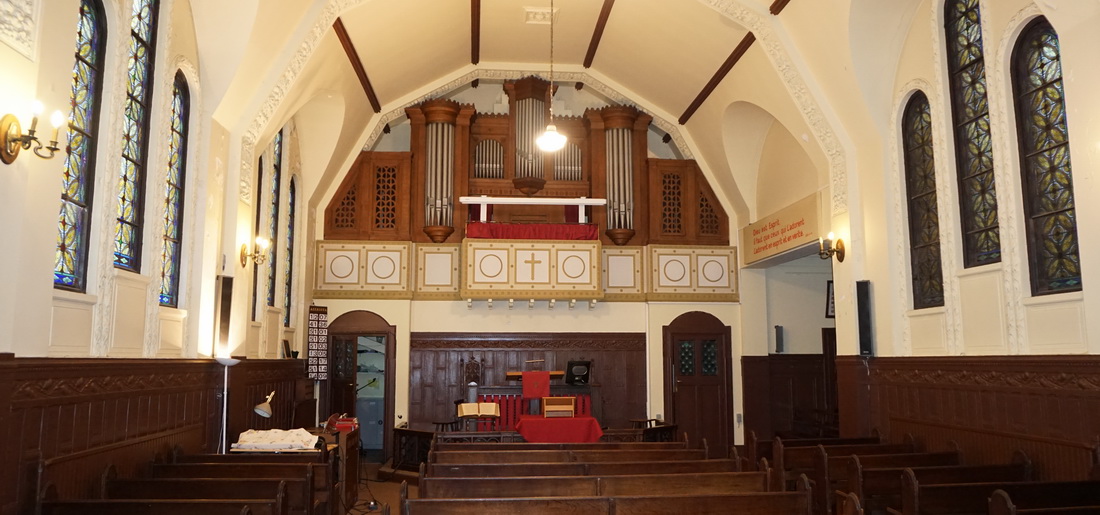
<point x="863" y="318"/>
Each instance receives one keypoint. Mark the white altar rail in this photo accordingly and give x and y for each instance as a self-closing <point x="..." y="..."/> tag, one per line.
<point x="485" y="201"/>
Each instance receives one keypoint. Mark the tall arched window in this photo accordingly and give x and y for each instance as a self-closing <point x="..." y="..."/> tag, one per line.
<point x="256" y="229"/>
<point x="1043" y="136"/>
<point x="973" y="143"/>
<point x="71" y="262"/>
<point x="920" y="189"/>
<point x="288" y="278"/>
<point x="135" y="135"/>
<point x="174" y="194"/>
<point x="276" y="178"/>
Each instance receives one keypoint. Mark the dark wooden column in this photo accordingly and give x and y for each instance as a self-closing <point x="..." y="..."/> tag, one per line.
<point x="9" y="459"/>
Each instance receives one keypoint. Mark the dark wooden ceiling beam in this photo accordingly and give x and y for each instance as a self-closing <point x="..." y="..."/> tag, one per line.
<point x="475" y="31"/>
<point x="597" y="34"/>
<point x="777" y="6"/>
<point x="742" y="47"/>
<point x="356" y="64"/>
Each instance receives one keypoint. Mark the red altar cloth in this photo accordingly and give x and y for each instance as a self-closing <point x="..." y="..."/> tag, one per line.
<point x="502" y="231"/>
<point x="538" y="429"/>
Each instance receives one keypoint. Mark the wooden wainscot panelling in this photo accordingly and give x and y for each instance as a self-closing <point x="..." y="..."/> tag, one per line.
<point x="64" y="421"/>
<point x="624" y="273"/>
<point x="798" y="393"/>
<point x="76" y="416"/>
<point x="692" y="274"/>
<point x="992" y="406"/>
<point x="756" y="385"/>
<point x="364" y="270"/>
<point x="436" y="376"/>
<point x="854" y="396"/>
<point x="437" y="271"/>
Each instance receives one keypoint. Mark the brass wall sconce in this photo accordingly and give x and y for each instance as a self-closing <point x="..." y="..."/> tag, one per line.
<point x="830" y="246"/>
<point x="12" y="139"/>
<point x="260" y="255"/>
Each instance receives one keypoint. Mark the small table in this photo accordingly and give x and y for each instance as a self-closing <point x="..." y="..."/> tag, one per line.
<point x="539" y="429"/>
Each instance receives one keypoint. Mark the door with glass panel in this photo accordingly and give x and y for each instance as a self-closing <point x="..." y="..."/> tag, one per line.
<point x="698" y="387"/>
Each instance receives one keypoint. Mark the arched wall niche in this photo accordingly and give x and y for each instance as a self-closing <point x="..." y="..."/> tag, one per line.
<point x="786" y="173"/>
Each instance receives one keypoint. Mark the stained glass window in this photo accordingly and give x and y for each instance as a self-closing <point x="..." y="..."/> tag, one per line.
<point x="251" y="245"/>
<point x="174" y="194"/>
<point x="135" y="132"/>
<point x="288" y="271"/>
<point x="710" y="358"/>
<point x="973" y="143"/>
<point x="1051" y="223"/>
<point x="276" y="178"/>
<point x="924" y="218"/>
<point x="71" y="259"/>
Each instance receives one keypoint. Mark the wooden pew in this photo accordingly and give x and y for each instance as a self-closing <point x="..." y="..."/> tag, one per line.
<point x="593" y="486"/>
<point x="848" y="504"/>
<point x="298" y="494"/>
<point x="962" y="498"/>
<point x="576" y="469"/>
<point x="324" y="469"/>
<point x="151" y="507"/>
<point x="789" y="462"/>
<point x="832" y="473"/>
<point x="796" y="502"/>
<point x="879" y="488"/>
<point x="756" y="447"/>
<point x="520" y="446"/>
<point x="186" y="489"/>
<point x="1001" y="503"/>
<point x="542" y="456"/>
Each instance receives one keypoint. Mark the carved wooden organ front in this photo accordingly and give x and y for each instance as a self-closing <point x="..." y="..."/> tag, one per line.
<point x="456" y="151"/>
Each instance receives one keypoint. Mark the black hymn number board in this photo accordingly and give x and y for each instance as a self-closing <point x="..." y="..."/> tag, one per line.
<point x="317" y="364"/>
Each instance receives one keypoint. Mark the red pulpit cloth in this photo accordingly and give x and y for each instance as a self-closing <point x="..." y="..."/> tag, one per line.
<point x="536" y="429"/>
<point x="536" y="384"/>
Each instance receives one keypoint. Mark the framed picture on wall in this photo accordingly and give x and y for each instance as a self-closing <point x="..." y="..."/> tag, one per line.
<point x="830" y="307"/>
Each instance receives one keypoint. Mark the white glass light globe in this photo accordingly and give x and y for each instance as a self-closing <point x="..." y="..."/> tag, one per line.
<point x="551" y="140"/>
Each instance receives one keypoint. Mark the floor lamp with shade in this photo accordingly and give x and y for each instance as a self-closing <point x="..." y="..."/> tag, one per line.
<point x="226" y="363"/>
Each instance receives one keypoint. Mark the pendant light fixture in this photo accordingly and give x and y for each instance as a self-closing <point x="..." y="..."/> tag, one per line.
<point x="551" y="140"/>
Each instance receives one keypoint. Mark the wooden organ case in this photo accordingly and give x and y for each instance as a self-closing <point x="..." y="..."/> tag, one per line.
<point x="456" y="151"/>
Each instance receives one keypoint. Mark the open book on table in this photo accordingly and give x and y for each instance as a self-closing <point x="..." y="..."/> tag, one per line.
<point x="479" y="409"/>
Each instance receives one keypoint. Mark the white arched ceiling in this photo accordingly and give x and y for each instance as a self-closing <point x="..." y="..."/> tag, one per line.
<point x="222" y="36"/>
<point x="877" y="31"/>
<point x="318" y="123"/>
<point x="786" y="173"/>
<point x="744" y="129"/>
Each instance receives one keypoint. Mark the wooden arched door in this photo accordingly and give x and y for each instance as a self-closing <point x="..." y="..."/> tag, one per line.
<point x="698" y="379"/>
<point x="340" y="393"/>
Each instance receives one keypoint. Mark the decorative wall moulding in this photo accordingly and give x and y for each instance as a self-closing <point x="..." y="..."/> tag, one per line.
<point x="692" y="273"/>
<point x="531" y="269"/>
<point x="353" y="269"/>
<point x="578" y="273"/>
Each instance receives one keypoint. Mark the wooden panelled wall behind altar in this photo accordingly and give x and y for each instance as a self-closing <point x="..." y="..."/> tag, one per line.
<point x="617" y="372"/>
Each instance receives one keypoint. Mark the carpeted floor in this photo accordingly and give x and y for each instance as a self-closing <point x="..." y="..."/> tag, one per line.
<point x="385" y="490"/>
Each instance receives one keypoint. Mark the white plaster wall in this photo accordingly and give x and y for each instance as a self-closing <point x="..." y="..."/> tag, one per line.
<point x="796" y="300"/>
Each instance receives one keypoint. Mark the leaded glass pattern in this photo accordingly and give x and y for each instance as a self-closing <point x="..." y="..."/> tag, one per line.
<point x="687" y="358"/>
<point x="135" y="131"/>
<point x="256" y="225"/>
<point x="273" y="252"/>
<point x="1054" y="258"/>
<point x="174" y="194"/>
<point x="709" y="358"/>
<point x="73" y="224"/>
<point x="973" y="141"/>
<point x="288" y="277"/>
<point x="924" y="218"/>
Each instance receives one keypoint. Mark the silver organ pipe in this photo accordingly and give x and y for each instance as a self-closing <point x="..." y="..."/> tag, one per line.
<point x="567" y="163"/>
<point x="530" y="121"/>
<point x="489" y="160"/>
<point x="620" y="179"/>
<point x="439" y="182"/>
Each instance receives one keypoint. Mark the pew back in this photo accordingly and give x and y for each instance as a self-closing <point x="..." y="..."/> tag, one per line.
<point x="564" y="456"/>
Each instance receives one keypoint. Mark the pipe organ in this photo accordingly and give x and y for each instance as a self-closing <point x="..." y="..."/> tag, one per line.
<point x="455" y="151"/>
